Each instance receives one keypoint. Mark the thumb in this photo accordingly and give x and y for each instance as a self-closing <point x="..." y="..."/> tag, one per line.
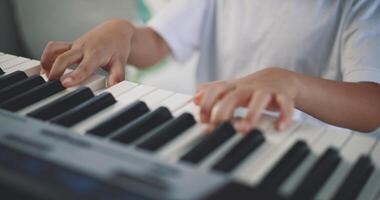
<point x="116" y="73"/>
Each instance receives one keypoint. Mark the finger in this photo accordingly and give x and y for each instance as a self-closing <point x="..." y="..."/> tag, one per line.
<point x="225" y="109"/>
<point x="286" y="109"/>
<point x="84" y="70"/>
<point x="258" y="102"/>
<point x="116" y="73"/>
<point x="204" y="86"/>
<point x="198" y="97"/>
<point x="50" y="53"/>
<point x="210" y="98"/>
<point x="63" y="61"/>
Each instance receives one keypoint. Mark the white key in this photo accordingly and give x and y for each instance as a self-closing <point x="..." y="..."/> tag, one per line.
<point x="135" y="94"/>
<point x="120" y="88"/>
<point x="352" y="150"/>
<point x="12" y="63"/>
<point x="154" y="99"/>
<point x="191" y="137"/>
<point x="331" y="138"/>
<point x="176" y="101"/>
<point x="264" y="164"/>
<point x="31" y="67"/>
<point x="44" y="102"/>
<point x="123" y="100"/>
<point x="100" y="117"/>
<point x="1" y="53"/>
<point x="6" y="57"/>
<point x="65" y="73"/>
<point x="95" y="82"/>
<point x="172" y="151"/>
<point x="221" y="151"/>
<point x="189" y="108"/>
<point x="371" y="189"/>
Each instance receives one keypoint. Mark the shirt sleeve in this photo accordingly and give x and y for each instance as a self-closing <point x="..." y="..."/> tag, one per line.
<point x="180" y="25"/>
<point x="360" y="56"/>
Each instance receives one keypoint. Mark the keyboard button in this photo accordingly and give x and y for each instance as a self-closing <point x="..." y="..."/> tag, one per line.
<point x="32" y="96"/>
<point x="276" y="146"/>
<point x="31" y="67"/>
<point x="141" y="126"/>
<point x="12" y="78"/>
<point x="153" y="100"/>
<point x="209" y="144"/>
<point x="240" y="151"/>
<point x="120" y="119"/>
<point x="6" y="57"/>
<point x="176" y="101"/>
<point x="356" y="179"/>
<point x="62" y="104"/>
<point x="372" y="187"/>
<point x="135" y="94"/>
<point x="84" y="110"/>
<point x="120" y="88"/>
<point x="318" y="175"/>
<point x="20" y="87"/>
<point x="170" y="130"/>
<point x="332" y="138"/>
<point x="285" y="166"/>
<point x="11" y="63"/>
<point x="177" y="147"/>
<point x="355" y="147"/>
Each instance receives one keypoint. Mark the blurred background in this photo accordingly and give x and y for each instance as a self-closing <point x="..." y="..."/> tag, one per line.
<point x="27" y="26"/>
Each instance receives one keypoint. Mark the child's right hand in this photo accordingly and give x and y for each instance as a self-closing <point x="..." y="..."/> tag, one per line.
<point x="106" y="46"/>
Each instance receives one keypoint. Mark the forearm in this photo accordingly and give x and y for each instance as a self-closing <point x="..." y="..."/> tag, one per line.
<point x="147" y="48"/>
<point x="351" y="105"/>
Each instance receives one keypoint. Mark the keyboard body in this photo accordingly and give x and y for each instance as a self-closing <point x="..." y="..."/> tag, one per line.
<point x="46" y="160"/>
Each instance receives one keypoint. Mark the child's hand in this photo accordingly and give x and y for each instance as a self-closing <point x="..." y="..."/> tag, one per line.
<point x="273" y="89"/>
<point x="107" y="46"/>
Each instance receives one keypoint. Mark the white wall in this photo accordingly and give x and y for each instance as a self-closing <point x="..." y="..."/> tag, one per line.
<point x="44" y="20"/>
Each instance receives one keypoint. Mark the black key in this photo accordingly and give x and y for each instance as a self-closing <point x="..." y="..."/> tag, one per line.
<point x="240" y="151"/>
<point x="12" y="78"/>
<point x="141" y="126"/>
<point x="209" y="144"/>
<point x="167" y="132"/>
<point x="356" y="179"/>
<point x="120" y="119"/>
<point x="318" y="175"/>
<point x="20" y="87"/>
<point x="285" y="166"/>
<point x="84" y="110"/>
<point x="1" y="71"/>
<point x="32" y="96"/>
<point x="62" y="104"/>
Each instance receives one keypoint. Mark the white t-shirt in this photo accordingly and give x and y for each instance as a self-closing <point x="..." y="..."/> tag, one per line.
<point x="338" y="40"/>
<point x="331" y="39"/>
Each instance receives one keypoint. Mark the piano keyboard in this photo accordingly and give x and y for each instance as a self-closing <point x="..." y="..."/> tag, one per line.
<point x="145" y="143"/>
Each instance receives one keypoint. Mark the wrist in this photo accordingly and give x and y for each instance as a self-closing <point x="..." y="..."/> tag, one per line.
<point x="122" y="27"/>
<point x="301" y="86"/>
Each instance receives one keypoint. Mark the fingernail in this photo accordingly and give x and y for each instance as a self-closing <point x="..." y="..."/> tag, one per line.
<point x="67" y="81"/>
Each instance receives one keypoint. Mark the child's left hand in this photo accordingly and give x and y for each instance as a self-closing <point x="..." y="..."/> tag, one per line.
<point x="274" y="89"/>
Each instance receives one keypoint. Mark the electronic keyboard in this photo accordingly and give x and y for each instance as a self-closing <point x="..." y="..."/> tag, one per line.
<point x="133" y="141"/>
